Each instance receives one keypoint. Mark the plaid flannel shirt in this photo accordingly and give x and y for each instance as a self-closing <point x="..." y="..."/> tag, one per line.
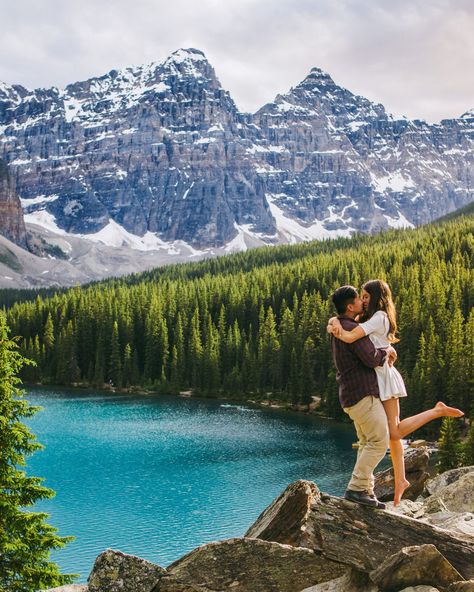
<point x="355" y="363"/>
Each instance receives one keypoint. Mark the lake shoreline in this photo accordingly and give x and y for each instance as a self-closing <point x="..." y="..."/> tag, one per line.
<point x="310" y="409"/>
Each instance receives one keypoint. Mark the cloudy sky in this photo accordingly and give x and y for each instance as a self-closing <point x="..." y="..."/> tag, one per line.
<point x="414" y="56"/>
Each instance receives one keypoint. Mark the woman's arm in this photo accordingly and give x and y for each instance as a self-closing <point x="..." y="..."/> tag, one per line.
<point x="335" y="328"/>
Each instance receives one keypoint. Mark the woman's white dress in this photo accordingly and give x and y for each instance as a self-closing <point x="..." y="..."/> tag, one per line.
<point x="389" y="379"/>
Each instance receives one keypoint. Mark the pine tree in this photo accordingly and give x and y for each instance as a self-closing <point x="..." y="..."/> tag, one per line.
<point x="449" y="454"/>
<point x="25" y="538"/>
<point x="307" y="371"/>
<point x="468" y="447"/>
<point x="115" y="365"/>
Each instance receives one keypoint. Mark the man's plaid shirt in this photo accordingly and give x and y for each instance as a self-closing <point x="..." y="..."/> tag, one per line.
<point x="355" y="363"/>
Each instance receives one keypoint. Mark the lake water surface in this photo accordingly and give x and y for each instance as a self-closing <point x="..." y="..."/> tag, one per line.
<point x="157" y="477"/>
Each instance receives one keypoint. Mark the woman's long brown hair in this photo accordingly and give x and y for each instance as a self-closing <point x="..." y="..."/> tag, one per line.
<point x="381" y="299"/>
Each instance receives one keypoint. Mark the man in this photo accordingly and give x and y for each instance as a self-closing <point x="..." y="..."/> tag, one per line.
<point x="359" y="396"/>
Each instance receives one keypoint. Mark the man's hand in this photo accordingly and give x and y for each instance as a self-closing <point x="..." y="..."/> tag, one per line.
<point x="391" y="355"/>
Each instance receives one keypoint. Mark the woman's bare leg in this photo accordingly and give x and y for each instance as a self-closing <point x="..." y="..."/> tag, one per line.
<point x="410" y="424"/>
<point x="392" y="409"/>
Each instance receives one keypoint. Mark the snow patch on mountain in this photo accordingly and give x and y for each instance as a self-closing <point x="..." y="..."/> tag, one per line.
<point x="400" y="222"/>
<point x="295" y="232"/>
<point x="393" y="181"/>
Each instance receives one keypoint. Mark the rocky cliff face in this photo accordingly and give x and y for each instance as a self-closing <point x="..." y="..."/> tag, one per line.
<point x="162" y="149"/>
<point x="12" y="225"/>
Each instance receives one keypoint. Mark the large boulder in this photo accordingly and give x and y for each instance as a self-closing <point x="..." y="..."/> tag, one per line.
<point x="360" y="536"/>
<point x="420" y="589"/>
<point x="458" y="496"/>
<point x="439" y="482"/>
<point x="69" y="588"/>
<point x="115" y="571"/>
<point x="416" y="463"/>
<point x="452" y="521"/>
<point x="352" y="581"/>
<point x="285" y="519"/>
<point x="171" y="583"/>
<point x="414" y="566"/>
<point x="462" y="586"/>
<point x="251" y="565"/>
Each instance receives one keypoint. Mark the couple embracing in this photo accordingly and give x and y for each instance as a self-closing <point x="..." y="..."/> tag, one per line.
<point x="370" y="386"/>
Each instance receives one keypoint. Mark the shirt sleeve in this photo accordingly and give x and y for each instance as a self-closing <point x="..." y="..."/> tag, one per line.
<point x="376" y="324"/>
<point x="367" y="353"/>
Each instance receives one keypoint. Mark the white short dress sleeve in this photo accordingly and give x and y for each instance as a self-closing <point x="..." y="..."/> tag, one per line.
<point x="389" y="379"/>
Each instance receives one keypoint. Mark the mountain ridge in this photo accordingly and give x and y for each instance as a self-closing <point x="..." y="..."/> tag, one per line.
<point x="162" y="151"/>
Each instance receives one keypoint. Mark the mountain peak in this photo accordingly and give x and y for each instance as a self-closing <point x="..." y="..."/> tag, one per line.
<point x="181" y="55"/>
<point x="189" y="62"/>
<point x="319" y="77"/>
<point x="468" y="115"/>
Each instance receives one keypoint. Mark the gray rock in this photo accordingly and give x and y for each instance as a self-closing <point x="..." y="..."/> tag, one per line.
<point x="441" y="481"/>
<point x="171" y="583"/>
<point x="462" y="523"/>
<point x="251" y="565"/>
<point x="12" y="224"/>
<point x="285" y="519"/>
<point x="69" y="588"/>
<point x="455" y="497"/>
<point x="115" y="571"/>
<point x="416" y="463"/>
<point x="462" y="586"/>
<point x="420" y="589"/>
<point x="413" y="509"/>
<point x="353" y="581"/>
<point x="360" y="536"/>
<point x="413" y="566"/>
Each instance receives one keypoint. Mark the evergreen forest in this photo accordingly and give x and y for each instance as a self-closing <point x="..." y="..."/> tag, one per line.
<point x="253" y="325"/>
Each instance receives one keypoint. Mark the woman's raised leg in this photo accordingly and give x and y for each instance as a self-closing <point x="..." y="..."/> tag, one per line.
<point x="392" y="409"/>
<point x="410" y="424"/>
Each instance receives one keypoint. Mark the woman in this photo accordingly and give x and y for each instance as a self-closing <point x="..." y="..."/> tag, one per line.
<point x="380" y="325"/>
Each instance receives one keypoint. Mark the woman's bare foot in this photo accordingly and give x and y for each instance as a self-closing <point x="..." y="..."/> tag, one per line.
<point x="446" y="411"/>
<point x="400" y="489"/>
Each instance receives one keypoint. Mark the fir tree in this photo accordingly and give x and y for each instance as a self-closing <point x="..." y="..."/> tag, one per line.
<point x="449" y="454"/>
<point x="25" y="538"/>
<point x="468" y="446"/>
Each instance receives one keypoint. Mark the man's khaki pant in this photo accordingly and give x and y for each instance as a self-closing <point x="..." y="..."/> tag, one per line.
<point x="370" y="422"/>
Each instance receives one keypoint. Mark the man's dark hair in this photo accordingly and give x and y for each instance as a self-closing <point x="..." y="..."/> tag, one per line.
<point x="342" y="297"/>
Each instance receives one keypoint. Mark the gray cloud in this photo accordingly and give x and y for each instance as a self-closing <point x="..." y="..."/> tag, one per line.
<point x="415" y="57"/>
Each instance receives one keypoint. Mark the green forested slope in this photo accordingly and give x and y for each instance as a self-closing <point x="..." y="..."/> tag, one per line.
<point x="254" y="323"/>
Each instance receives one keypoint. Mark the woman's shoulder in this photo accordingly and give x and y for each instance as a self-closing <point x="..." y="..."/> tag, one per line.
<point x="380" y="313"/>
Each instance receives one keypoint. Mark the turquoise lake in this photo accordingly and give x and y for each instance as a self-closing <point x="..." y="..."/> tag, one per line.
<point x="157" y="477"/>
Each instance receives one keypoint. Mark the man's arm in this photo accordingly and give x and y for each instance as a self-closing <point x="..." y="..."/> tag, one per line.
<point x="365" y="350"/>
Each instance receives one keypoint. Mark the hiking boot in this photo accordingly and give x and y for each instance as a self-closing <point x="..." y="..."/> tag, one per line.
<point x="361" y="497"/>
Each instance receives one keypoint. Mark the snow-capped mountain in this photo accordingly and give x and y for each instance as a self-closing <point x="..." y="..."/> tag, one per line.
<point x="159" y="156"/>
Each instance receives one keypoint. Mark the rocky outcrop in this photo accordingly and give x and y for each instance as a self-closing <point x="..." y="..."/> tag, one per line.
<point x="416" y="464"/>
<point x="456" y="497"/>
<point x="115" y="571"/>
<point x="415" y="566"/>
<point x="251" y="565"/>
<point x="70" y="588"/>
<point x="163" y="149"/>
<point x="361" y="537"/>
<point x="438" y="483"/>
<point x="308" y="541"/>
<point x="12" y="224"/>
